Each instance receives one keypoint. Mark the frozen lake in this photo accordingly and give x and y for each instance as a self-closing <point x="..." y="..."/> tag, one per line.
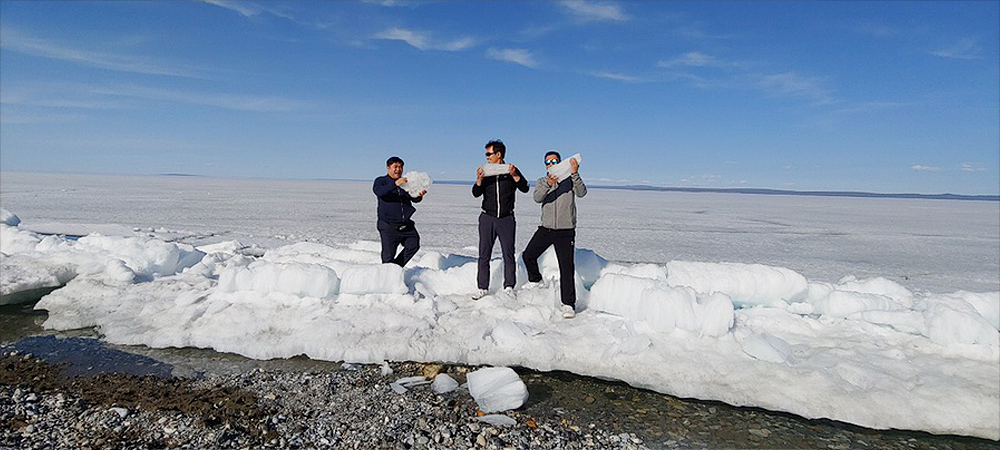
<point x="923" y="244"/>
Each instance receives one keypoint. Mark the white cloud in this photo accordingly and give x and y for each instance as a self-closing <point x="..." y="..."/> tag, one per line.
<point x="618" y="77"/>
<point x="595" y="11"/>
<point x="21" y="43"/>
<point x="423" y="41"/>
<point x="876" y="29"/>
<point x="514" y="55"/>
<point x="920" y="168"/>
<point x="972" y="168"/>
<point x="962" y="49"/>
<point x="703" y="180"/>
<point x="873" y="106"/>
<point x="790" y="84"/>
<point x="694" y="59"/>
<point x="226" y="101"/>
<point x="246" y="9"/>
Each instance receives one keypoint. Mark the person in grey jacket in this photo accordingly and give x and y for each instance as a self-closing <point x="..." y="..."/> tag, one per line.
<point x="558" y="229"/>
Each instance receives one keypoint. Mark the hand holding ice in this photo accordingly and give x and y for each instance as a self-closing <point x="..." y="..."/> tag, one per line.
<point x="563" y="170"/>
<point x="416" y="182"/>
<point x="492" y="170"/>
<point x="497" y="389"/>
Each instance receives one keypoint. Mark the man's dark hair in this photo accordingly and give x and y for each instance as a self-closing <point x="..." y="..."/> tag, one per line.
<point x="553" y="152"/>
<point x="498" y="146"/>
<point x="393" y="160"/>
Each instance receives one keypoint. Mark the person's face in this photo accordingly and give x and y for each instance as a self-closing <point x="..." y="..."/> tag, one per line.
<point x="551" y="160"/>
<point x="493" y="157"/>
<point x="395" y="170"/>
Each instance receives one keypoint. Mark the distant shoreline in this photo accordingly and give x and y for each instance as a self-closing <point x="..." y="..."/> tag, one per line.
<point x="757" y="191"/>
<point x="751" y="191"/>
<point x="643" y="187"/>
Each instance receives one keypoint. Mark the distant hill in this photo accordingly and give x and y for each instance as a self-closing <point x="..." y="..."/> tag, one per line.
<point x="756" y="191"/>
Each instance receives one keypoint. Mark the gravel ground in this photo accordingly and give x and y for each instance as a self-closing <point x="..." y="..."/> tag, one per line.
<point x="40" y="408"/>
<point x="300" y="403"/>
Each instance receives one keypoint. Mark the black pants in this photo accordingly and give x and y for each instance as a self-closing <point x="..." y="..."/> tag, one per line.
<point x="491" y="228"/>
<point x="394" y="234"/>
<point x="563" y="240"/>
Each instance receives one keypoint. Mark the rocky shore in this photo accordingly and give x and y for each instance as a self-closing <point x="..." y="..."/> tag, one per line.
<point x="40" y="408"/>
<point x="43" y="406"/>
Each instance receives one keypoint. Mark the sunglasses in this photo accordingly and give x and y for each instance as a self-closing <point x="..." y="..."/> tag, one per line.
<point x="490" y="153"/>
<point x="549" y="162"/>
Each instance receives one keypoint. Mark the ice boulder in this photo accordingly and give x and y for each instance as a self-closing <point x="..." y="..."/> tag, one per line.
<point x="443" y="383"/>
<point x="497" y="389"/>
<point x="589" y="266"/>
<point x="838" y="303"/>
<point x="416" y="182"/>
<point x="563" y="170"/>
<point x="746" y="284"/>
<point x="878" y="286"/>
<point x="492" y="170"/>
<point x="15" y="240"/>
<point x="146" y="257"/>
<point x="300" y="279"/>
<point x="952" y="320"/>
<point x="661" y="307"/>
<point x="8" y="218"/>
<point x="373" y="279"/>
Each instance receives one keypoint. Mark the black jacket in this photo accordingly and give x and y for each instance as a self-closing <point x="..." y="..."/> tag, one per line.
<point x="498" y="193"/>
<point x="395" y="206"/>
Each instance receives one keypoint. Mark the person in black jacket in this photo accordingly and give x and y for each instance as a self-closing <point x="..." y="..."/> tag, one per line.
<point x="497" y="218"/>
<point x="395" y="207"/>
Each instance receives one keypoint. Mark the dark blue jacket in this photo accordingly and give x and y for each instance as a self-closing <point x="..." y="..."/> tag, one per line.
<point x="395" y="205"/>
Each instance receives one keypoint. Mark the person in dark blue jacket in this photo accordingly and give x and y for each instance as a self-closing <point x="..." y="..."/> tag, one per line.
<point x="497" y="217"/>
<point x="395" y="207"/>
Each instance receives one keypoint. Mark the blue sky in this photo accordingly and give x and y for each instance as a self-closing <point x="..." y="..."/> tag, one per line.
<point x="866" y="96"/>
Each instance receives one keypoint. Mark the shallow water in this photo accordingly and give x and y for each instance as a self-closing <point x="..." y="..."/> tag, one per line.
<point x="661" y="421"/>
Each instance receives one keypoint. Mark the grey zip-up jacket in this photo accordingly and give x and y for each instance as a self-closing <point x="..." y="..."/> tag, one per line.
<point x="559" y="201"/>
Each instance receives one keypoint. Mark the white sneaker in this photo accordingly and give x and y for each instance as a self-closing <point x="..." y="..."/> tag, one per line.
<point x="479" y="294"/>
<point x="509" y="291"/>
<point x="568" y="312"/>
<point x="534" y="285"/>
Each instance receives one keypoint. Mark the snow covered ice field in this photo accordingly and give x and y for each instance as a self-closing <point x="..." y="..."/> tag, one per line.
<point x="878" y="312"/>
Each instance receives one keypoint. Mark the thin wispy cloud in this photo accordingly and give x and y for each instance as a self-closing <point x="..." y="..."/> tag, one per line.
<point x="588" y="11"/>
<point x="50" y="49"/>
<point x="424" y="41"/>
<point x="618" y="77"/>
<point x="694" y="59"/>
<point x="783" y="85"/>
<point x="875" y="29"/>
<point x="246" y="9"/>
<point x="702" y="180"/>
<point x="392" y="3"/>
<point x="514" y="55"/>
<point x="873" y="106"/>
<point x="790" y="84"/>
<point x="962" y="49"/>
<point x="972" y="168"/>
<point x="237" y="102"/>
<point x="922" y="168"/>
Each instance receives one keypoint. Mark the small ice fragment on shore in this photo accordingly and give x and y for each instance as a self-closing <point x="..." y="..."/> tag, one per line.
<point x="497" y="389"/>
<point x="400" y="386"/>
<point x="499" y="420"/>
<point x="444" y="383"/>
